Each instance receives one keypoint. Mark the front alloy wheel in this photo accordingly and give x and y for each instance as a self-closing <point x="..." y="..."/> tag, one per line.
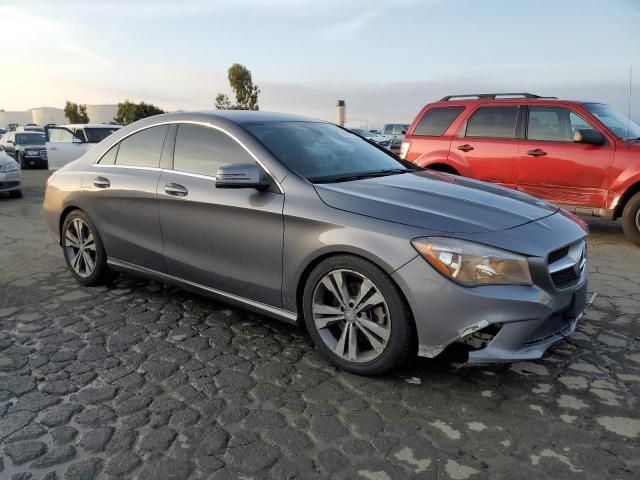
<point x="357" y="316"/>
<point x="351" y="316"/>
<point x="631" y="219"/>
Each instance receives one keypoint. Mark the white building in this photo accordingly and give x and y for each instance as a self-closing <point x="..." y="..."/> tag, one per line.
<point x="46" y="115"/>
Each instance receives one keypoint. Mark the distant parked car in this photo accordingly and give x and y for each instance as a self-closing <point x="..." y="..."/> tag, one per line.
<point x="10" y="176"/>
<point x="67" y="142"/>
<point x="27" y="148"/>
<point x="379" y="139"/>
<point x="583" y="156"/>
<point x="30" y="128"/>
<point x="395" y="129"/>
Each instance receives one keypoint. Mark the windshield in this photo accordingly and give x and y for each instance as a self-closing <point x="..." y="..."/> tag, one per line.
<point x="30" y="139"/>
<point x="323" y="151"/>
<point x="615" y="121"/>
<point x="96" y="135"/>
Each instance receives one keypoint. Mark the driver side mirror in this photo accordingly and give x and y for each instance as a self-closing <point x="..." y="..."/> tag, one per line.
<point x="589" y="136"/>
<point x="242" y="175"/>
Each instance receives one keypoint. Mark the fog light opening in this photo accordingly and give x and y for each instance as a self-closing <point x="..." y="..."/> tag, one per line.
<point x="480" y="338"/>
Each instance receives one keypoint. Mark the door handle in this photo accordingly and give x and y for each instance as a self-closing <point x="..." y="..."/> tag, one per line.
<point x="465" y="148"/>
<point x="101" y="182"/>
<point x="537" y="152"/>
<point x="176" y="190"/>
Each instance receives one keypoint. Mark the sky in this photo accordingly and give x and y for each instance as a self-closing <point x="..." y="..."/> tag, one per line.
<point x="385" y="58"/>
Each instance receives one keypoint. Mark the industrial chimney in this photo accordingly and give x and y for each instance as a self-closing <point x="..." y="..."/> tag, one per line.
<point x="342" y="112"/>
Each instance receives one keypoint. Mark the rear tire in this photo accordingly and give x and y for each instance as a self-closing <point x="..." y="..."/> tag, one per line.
<point x="83" y="250"/>
<point x="379" y="326"/>
<point x="631" y="219"/>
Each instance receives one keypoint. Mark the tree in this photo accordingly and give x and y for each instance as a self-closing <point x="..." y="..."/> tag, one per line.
<point x="129" y="112"/>
<point x="76" y="113"/>
<point x="245" y="91"/>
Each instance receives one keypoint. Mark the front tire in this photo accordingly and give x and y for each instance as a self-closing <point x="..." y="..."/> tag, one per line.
<point x="631" y="219"/>
<point x="83" y="250"/>
<point x="356" y="316"/>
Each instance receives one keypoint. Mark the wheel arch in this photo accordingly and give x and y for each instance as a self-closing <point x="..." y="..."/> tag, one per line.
<point x="443" y="167"/>
<point x="308" y="268"/>
<point x="63" y="216"/>
<point x="624" y="199"/>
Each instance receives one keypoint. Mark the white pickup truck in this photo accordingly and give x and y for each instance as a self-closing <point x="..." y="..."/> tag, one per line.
<point x="65" y="143"/>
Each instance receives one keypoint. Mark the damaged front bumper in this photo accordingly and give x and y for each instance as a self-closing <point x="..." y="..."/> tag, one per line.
<point x="495" y="323"/>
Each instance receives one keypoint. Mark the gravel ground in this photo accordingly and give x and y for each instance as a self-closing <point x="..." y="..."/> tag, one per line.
<point x="141" y="380"/>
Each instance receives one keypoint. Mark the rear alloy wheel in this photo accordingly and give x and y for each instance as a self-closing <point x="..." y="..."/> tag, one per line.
<point x="631" y="219"/>
<point x="83" y="250"/>
<point x="356" y="316"/>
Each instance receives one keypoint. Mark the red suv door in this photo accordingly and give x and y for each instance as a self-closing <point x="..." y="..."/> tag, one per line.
<point x="488" y="144"/>
<point x="551" y="166"/>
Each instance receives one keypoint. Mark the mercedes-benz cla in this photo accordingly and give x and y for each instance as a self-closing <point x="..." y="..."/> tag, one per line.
<point x="307" y="222"/>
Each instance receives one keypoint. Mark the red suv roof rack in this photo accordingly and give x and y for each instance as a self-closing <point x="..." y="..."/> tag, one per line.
<point x="491" y="96"/>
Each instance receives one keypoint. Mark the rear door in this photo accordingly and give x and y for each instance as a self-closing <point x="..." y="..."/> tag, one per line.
<point x="63" y="147"/>
<point x="552" y="167"/>
<point x="488" y="144"/>
<point x="426" y="143"/>
<point x="121" y="198"/>
<point x="226" y="239"/>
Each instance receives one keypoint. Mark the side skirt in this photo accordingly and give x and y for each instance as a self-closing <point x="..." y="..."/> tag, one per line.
<point x="258" y="307"/>
<point x="594" y="212"/>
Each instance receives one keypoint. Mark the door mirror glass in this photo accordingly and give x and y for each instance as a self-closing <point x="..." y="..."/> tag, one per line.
<point x="241" y="175"/>
<point x="589" y="136"/>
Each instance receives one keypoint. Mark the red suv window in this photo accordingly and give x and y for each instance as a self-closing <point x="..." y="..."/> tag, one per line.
<point x="493" y="122"/>
<point x="436" y="121"/>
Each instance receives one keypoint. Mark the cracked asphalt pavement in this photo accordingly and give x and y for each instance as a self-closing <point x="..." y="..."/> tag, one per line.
<point x="140" y="380"/>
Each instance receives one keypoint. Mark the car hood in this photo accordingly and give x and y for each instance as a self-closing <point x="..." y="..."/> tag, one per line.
<point x="4" y="159"/>
<point x="436" y="201"/>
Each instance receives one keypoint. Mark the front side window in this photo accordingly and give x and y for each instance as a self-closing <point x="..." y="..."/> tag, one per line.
<point x="493" y="122"/>
<point x="436" y="121"/>
<point x="323" y="151"/>
<point x="142" y="149"/>
<point x="621" y="125"/>
<point x="60" y="135"/>
<point x="96" y="135"/>
<point x="554" y="124"/>
<point x="203" y="150"/>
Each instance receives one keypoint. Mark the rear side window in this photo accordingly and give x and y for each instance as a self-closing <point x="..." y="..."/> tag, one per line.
<point x="436" y="121"/>
<point x="142" y="149"/>
<point x="493" y="122"/>
<point x="203" y="150"/>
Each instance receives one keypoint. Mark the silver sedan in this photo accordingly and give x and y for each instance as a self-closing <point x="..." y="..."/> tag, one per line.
<point x="10" y="176"/>
<point x="307" y="222"/>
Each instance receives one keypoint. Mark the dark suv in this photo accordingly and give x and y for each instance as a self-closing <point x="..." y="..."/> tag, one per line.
<point x="583" y="156"/>
<point x="27" y="148"/>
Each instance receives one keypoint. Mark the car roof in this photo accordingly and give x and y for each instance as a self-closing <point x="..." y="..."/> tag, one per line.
<point x="90" y="125"/>
<point x="251" y="116"/>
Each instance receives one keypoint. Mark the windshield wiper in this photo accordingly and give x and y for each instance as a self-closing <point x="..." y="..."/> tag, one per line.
<point x="358" y="176"/>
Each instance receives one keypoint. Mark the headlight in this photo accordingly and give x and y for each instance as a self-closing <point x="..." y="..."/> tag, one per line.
<point x="9" y="167"/>
<point x="472" y="264"/>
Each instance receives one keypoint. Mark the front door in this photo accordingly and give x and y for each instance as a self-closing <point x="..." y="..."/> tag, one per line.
<point x="488" y="145"/>
<point x="226" y="239"/>
<point x="552" y="167"/>
<point x="121" y="199"/>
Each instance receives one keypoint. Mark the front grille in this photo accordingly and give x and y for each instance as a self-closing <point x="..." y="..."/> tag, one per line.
<point x="558" y="254"/>
<point x="564" y="278"/>
<point x="567" y="264"/>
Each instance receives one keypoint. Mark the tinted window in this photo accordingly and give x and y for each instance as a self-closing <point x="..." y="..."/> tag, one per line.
<point x="493" y="122"/>
<point x="30" y="139"/>
<point x="436" y="121"/>
<point x="109" y="158"/>
<point x="318" y="150"/>
<point x="203" y="150"/>
<point x="142" y="149"/>
<point x="553" y="124"/>
<point x="96" y="135"/>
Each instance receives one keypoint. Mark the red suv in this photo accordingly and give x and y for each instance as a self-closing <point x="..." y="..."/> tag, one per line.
<point x="583" y="156"/>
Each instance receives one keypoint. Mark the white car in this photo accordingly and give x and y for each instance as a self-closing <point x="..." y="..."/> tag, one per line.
<point x="374" y="137"/>
<point x="65" y="143"/>
<point x="10" y="176"/>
